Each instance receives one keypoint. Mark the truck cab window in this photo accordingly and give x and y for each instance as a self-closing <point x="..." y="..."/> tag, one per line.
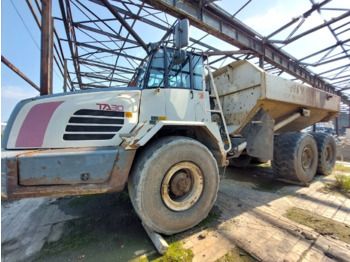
<point x="197" y="72"/>
<point x="178" y="75"/>
<point x="156" y="72"/>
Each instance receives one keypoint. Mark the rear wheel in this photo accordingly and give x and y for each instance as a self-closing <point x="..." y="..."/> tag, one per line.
<point x="173" y="184"/>
<point x="327" y="152"/>
<point x="295" y="157"/>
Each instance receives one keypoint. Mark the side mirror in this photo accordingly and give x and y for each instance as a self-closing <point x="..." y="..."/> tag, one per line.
<point x="181" y="33"/>
<point x="179" y="57"/>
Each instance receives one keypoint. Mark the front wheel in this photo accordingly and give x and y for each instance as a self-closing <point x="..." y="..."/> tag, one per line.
<point x="173" y="184"/>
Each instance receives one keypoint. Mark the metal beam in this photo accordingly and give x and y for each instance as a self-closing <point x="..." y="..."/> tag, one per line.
<point x="18" y="72"/>
<point x="73" y="49"/>
<point x="98" y="31"/>
<point x="125" y="24"/>
<point x="46" y="49"/>
<point x="108" y="51"/>
<point x="219" y="23"/>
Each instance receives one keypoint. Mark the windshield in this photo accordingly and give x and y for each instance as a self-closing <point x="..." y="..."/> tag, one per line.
<point x="166" y="72"/>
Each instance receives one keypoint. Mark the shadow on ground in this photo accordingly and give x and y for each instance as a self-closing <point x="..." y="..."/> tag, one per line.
<point x="107" y="229"/>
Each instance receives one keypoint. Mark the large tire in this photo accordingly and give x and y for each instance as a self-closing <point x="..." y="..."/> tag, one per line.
<point x="173" y="184"/>
<point x="295" y="157"/>
<point x="327" y="152"/>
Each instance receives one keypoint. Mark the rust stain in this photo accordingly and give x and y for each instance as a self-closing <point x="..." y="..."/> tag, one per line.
<point x="43" y="167"/>
<point x="9" y="164"/>
<point x="133" y="145"/>
<point x="116" y="182"/>
<point x="58" y="181"/>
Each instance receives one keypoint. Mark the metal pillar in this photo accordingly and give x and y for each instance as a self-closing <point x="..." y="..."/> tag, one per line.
<point x="337" y="125"/>
<point x="261" y="62"/>
<point x="65" y="76"/>
<point x="46" y="49"/>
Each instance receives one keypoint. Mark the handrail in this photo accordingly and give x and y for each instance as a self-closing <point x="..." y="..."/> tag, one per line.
<point x="211" y="79"/>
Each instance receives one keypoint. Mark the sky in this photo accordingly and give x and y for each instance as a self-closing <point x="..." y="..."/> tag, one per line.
<point x="20" y="39"/>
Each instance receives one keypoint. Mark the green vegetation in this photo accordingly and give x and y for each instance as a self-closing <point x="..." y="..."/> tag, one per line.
<point x="237" y="255"/>
<point x="343" y="182"/>
<point x="176" y="253"/>
<point x="341" y="168"/>
<point x="321" y="225"/>
<point x="340" y="187"/>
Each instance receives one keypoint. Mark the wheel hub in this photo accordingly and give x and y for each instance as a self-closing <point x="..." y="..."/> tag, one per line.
<point x="182" y="186"/>
<point x="307" y="158"/>
<point x="329" y="154"/>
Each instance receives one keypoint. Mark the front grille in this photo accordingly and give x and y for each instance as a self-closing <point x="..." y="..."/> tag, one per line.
<point x="87" y="124"/>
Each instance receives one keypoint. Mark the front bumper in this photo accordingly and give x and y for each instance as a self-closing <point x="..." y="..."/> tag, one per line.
<point x="61" y="172"/>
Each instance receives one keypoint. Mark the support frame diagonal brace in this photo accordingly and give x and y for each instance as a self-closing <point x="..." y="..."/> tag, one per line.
<point x="212" y="20"/>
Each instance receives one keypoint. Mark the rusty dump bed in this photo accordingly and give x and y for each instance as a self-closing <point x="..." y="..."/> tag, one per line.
<point x="243" y="88"/>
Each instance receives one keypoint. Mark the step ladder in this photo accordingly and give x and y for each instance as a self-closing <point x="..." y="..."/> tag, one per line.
<point x="219" y="111"/>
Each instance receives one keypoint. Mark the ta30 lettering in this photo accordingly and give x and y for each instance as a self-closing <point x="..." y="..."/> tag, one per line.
<point x="108" y="107"/>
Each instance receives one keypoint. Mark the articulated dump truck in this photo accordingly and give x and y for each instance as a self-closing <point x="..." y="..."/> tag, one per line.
<point x="166" y="135"/>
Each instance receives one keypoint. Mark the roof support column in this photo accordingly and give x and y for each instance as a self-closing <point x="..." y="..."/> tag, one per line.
<point x="46" y="48"/>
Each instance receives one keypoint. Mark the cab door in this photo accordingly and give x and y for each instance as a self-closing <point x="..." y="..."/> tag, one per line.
<point x="153" y="95"/>
<point x="180" y="102"/>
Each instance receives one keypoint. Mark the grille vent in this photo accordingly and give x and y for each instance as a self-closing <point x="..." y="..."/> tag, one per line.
<point x="87" y="124"/>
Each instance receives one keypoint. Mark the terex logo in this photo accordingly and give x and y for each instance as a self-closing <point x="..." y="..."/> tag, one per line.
<point x="110" y="107"/>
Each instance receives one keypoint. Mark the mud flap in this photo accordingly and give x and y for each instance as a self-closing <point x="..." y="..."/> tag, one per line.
<point x="258" y="133"/>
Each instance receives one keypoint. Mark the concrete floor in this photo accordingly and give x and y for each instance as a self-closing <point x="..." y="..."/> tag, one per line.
<point x="251" y="217"/>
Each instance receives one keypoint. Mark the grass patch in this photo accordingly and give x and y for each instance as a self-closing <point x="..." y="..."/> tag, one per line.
<point x="331" y="189"/>
<point x="237" y="254"/>
<point x="321" y="225"/>
<point x="340" y="187"/>
<point x="343" y="182"/>
<point x="176" y="253"/>
<point x="341" y="168"/>
<point x="81" y="234"/>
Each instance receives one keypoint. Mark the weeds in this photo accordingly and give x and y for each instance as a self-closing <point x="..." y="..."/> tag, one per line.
<point x="176" y="253"/>
<point x="237" y="255"/>
<point x="341" y="168"/>
<point x="342" y="182"/>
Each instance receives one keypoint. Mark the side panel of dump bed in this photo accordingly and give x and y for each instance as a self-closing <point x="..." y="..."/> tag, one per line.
<point x="244" y="89"/>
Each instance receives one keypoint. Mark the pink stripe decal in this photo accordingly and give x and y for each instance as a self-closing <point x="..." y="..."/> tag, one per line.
<point x="34" y="126"/>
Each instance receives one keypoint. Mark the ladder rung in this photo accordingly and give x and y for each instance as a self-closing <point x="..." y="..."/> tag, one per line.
<point x="214" y="111"/>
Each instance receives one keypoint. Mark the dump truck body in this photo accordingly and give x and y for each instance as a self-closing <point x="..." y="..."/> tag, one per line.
<point x="245" y="88"/>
